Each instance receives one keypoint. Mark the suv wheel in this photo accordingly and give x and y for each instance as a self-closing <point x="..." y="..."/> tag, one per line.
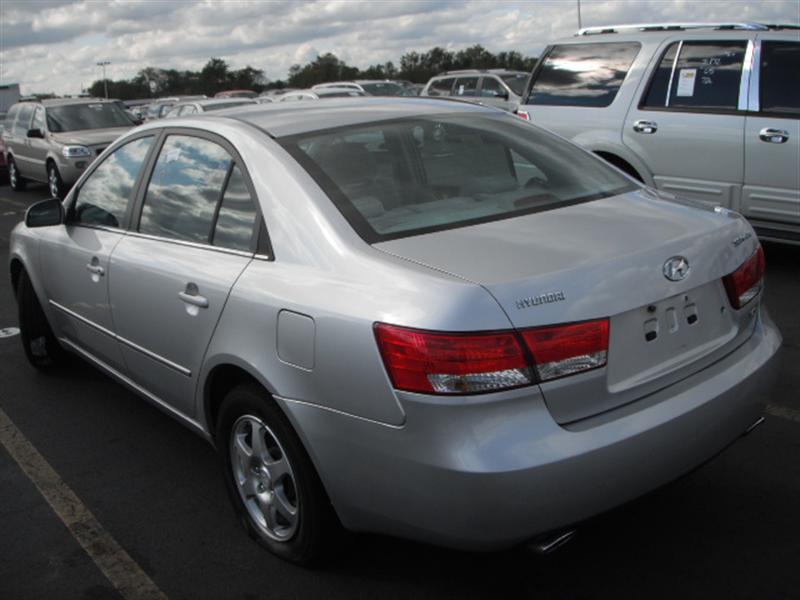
<point x="270" y="479"/>
<point x="41" y="347"/>
<point x="54" y="183"/>
<point x="16" y="180"/>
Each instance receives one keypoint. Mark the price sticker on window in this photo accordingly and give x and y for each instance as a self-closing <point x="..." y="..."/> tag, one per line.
<point x="686" y="79"/>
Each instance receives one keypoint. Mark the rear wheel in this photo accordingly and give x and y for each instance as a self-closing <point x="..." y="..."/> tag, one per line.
<point x="54" y="183"/>
<point x="270" y="479"/>
<point x="41" y="347"/>
<point x="16" y="180"/>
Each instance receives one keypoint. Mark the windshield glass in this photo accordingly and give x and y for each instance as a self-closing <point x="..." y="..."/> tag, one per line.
<point x="516" y="81"/>
<point x="385" y="88"/>
<point x="409" y="176"/>
<point x="86" y="116"/>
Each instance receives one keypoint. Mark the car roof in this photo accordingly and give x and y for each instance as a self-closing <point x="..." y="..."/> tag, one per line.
<point x="213" y="101"/>
<point x="290" y="118"/>
<point x="659" y="31"/>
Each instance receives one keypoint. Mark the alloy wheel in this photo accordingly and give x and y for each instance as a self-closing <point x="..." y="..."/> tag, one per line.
<point x="52" y="182"/>
<point x="12" y="174"/>
<point x="264" y="478"/>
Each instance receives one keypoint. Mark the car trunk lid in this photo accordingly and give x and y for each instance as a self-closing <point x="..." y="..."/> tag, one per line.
<point x="605" y="259"/>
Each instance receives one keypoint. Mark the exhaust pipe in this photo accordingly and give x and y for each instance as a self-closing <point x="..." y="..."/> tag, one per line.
<point x="550" y="543"/>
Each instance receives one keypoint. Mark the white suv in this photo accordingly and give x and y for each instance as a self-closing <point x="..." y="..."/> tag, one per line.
<point x="707" y="111"/>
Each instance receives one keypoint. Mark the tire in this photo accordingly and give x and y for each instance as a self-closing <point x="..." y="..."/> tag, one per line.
<point x="273" y="479"/>
<point x="41" y="347"/>
<point x="15" y="180"/>
<point x="54" y="182"/>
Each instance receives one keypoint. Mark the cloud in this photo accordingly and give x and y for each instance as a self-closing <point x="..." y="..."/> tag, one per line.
<point x="54" y="45"/>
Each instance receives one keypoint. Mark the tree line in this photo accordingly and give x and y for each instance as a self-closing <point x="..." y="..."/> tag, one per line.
<point x="217" y="76"/>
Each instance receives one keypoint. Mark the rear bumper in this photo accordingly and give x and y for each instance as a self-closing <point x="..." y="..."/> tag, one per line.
<point x="492" y="471"/>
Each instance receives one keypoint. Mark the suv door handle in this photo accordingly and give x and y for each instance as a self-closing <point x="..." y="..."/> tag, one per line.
<point x="773" y="136"/>
<point x="95" y="269"/>
<point x="645" y="126"/>
<point x="190" y="296"/>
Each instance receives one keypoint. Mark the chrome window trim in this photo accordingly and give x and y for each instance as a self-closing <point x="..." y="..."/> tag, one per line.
<point x="754" y="91"/>
<point x="122" y="340"/>
<point x="189" y="244"/>
<point x="672" y="72"/>
<point x="746" y="79"/>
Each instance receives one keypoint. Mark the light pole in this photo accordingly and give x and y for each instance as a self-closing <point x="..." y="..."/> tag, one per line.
<point x="103" y="64"/>
<point x="580" y="26"/>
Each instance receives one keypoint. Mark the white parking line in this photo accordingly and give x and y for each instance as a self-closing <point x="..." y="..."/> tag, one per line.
<point x="784" y="412"/>
<point x="119" y="568"/>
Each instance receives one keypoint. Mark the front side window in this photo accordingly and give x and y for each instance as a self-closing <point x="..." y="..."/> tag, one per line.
<point x="104" y="197"/>
<point x="516" y="81"/>
<point x="491" y="88"/>
<point x="184" y="189"/>
<point x="698" y="75"/>
<point x="583" y="74"/>
<point x="77" y="117"/>
<point x="780" y="89"/>
<point x="417" y="175"/>
<point x="466" y="86"/>
<point x="38" y="119"/>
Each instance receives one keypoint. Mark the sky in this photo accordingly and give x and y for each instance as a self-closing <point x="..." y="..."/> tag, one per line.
<point x="54" y="45"/>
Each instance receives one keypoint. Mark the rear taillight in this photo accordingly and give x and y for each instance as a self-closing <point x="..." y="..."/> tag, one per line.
<point x="524" y="114"/>
<point x="745" y="283"/>
<point x="452" y="363"/>
<point x="455" y="363"/>
<point x="566" y="349"/>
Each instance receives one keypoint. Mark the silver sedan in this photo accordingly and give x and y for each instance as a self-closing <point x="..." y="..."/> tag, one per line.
<point x="415" y="317"/>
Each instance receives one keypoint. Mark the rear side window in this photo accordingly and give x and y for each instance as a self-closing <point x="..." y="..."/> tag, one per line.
<point x="104" y="197"/>
<point x="698" y="75"/>
<point x="466" y="86"/>
<point x="583" y="74"/>
<point x="440" y="87"/>
<point x="237" y="215"/>
<point x="780" y="89"/>
<point x="185" y="188"/>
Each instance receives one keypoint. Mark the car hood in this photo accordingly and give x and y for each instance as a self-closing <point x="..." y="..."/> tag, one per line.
<point x="89" y="137"/>
<point x="588" y="260"/>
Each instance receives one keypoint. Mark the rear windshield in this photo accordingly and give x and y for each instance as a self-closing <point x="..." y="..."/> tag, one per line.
<point x="222" y="105"/>
<point x="410" y="176"/>
<point x="516" y="81"/>
<point x="86" y="116"/>
<point x="386" y="88"/>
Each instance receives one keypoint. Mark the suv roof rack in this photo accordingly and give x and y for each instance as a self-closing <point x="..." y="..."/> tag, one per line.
<point x="678" y="27"/>
<point x="474" y="71"/>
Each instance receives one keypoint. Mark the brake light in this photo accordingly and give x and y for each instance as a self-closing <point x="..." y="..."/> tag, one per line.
<point x="524" y="114"/>
<point x="455" y="363"/>
<point x="746" y="282"/>
<point x="452" y="363"/>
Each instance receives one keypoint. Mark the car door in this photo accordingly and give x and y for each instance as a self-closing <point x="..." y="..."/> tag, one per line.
<point x="689" y="122"/>
<point x="772" y="137"/>
<point x="173" y="272"/>
<point x="75" y="257"/>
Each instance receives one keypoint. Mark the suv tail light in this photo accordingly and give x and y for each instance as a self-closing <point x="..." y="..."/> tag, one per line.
<point x="746" y="282"/>
<point x="524" y="114"/>
<point x="454" y="363"/>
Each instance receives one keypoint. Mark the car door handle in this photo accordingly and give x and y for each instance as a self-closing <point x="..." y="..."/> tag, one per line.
<point x="95" y="269"/>
<point x="773" y="136"/>
<point x="645" y="126"/>
<point x="193" y="299"/>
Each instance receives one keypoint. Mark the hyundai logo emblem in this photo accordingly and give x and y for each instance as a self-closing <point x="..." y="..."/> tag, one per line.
<point x="676" y="268"/>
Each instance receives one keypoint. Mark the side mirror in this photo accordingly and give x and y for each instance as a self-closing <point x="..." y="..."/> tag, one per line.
<point x="35" y="133"/>
<point x="45" y="213"/>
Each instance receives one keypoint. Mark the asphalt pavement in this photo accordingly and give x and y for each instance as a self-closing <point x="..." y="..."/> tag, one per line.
<point x="730" y="529"/>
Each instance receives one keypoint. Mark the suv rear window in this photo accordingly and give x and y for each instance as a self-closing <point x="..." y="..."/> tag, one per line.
<point x="583" y="74"/>
<point x="410" y="176"/>
<point x="700" y="75"/>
